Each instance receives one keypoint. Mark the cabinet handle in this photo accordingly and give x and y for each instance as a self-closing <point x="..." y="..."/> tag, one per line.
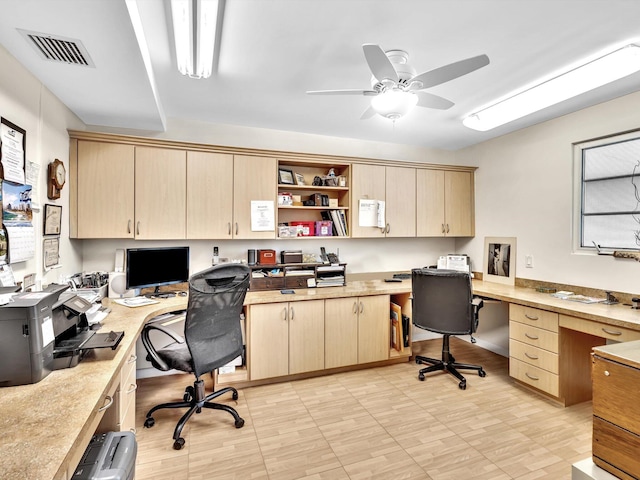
<point x="133" y="430"/>
<point x="530" y="318"/>
<point x="236" y="228"/>
<point x="229" y="227"/>
<point x="532" y="377"/>
<point x="606" y="373"/>
<point x="138" y="228"/>
<point x="361" y="307"/>
<point x="611" y="332"/>
<point x="355" y="307"/>
<point x="532" y="337"/>
<point x="532" y="357"/>
<point x="285" y="314"/>
<point x="388" y="229"/>
<point x="132" y="359"/>
<point x="133" y="388"/>
<point x="103" y="408"/>
<point x="129" y="226"/>
<point x="447" y="228"/>
<point x="443" y="228"/>
<point x="292" y="313"/>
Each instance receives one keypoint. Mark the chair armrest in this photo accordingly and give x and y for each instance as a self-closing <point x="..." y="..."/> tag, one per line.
<point x="151" y="351"/>
<point x="477" y="303"/>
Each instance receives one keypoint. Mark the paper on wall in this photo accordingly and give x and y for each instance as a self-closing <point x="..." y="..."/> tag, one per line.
<point x="262" y="216"/>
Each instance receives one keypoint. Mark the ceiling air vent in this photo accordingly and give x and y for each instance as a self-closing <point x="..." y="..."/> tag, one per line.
<point x="58" y="49"/>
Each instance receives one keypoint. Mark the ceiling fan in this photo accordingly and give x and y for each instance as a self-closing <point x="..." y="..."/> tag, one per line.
<point x="396" y="88"/>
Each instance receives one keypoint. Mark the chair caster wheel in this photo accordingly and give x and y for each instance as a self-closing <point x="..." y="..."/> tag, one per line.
<point x="463" y="385"/>
<point x="178" y="444"/>
<point x="235" y="395"/>
<point x="421" y="377"/>
<point x="482" y="373"/>
<point x="189" y="393"/>
<point x="149" y="422"/>
<point x="239" y="423"/>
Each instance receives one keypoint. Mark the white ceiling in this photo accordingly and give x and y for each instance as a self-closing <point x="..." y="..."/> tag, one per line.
<point x="272" y="51"/>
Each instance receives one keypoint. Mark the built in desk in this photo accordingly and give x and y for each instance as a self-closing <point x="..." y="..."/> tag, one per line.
<point x="46" y="426"/>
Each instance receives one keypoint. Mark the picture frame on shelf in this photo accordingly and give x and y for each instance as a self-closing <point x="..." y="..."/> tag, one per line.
<point x="499" y="260"/>
<point x="52" y="219"/>
<point x="299" y="179"/>
<point x="285" y="176"/>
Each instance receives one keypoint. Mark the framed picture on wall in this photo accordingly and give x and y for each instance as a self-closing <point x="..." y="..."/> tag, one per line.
<point x="499" y="260"/>
<point x="52" y="219"/>
<point x="285" y="176"/>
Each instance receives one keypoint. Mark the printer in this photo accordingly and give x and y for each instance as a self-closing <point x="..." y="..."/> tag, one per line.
<point x="45" y="331"/>
<point x="109" y="456"/>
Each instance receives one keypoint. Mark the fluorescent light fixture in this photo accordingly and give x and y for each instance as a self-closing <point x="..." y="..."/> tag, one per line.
<point x="194" y="29"/>
<point x="394" y="103"/>
<point x="598" y="72"/>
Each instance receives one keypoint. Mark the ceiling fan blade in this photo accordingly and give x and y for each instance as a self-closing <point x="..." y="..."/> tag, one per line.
<point x="343" y="92"/>
<point x="430" y="100"/>
<point x="379" y="63"/>
<point x="449" y="72"/>
<point x="368" y="113"/>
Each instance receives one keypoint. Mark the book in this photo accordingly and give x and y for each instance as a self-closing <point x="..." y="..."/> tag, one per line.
<point x="397" y="337"/>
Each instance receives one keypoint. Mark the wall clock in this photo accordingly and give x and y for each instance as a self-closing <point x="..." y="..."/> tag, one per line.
<point x="55" y="179"/>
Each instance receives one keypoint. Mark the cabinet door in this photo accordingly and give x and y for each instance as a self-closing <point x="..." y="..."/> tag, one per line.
<point x="340" y="332"/>
<point x="430" y="203"/>
<point x="400" y="207"/>
<point x="268" y="342"/>
<point x="105" y="187"/>
<point x="209" y="195"/>
<point x="373" y="328"/>
<point x="254" y="178"/>
<point x="368" y="182"/>
<point x="161" y="181"/>
<point x="459" y="204"/>
<point x="306" y="336"/>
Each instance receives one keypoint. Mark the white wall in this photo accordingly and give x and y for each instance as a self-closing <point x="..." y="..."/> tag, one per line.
<point x="26" y="103"/>
<point x="524" y="189"/>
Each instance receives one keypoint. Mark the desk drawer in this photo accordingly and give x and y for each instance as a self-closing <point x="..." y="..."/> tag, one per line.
<point x="615" y="449"/>
<point x="534" y="356"/>
<point x="534" y="317"/>
<point x="537" y="337"/>
<point x="534" y="376"/>
<point x="611" y="332"/>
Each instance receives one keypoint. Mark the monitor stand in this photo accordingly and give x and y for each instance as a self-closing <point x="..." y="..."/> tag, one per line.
<point x="158" y="294"/>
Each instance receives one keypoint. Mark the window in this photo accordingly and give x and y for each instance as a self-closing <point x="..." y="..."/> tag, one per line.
<point x="609" y="171"/>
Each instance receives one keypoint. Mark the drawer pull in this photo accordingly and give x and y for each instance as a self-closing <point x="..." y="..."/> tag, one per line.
<point x="606" y="373"/>
<point x="611" y="332"/>
<point x="134" y="387"/>
<point x="132" y="359"/>
<point x="531" y="337"/>
<point x="530" y="317"/>
<point x="532" y="377"/>
<point x="102" y="409"/>
<point x="532" y="357"/>
<point x="133" y="430"/>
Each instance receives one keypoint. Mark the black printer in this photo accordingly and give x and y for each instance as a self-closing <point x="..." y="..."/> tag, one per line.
<point x="45" y="331"/>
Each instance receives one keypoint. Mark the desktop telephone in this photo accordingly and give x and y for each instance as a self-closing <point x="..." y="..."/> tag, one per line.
<point x="331" y="258"/>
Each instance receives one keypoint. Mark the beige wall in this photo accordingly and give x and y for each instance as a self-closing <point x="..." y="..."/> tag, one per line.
<point x="524" y="189"/>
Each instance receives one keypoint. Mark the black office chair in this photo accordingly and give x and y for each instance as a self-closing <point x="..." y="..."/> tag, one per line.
<point x="443" y="303"/>
<point x="213" y="337"/>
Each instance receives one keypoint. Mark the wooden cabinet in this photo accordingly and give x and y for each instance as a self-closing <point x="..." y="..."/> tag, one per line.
<point x="616" y="411"/>
<point x="254" y="178"/>
<point x="445" y="203"/>
<point x="285" y="338"/>
<point x="160" y="191"/>
<point x="104" y="200"/>
<point x="357" y="330"/>
<point x="396" y="186"/>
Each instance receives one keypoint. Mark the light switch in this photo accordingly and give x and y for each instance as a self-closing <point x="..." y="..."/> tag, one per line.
<point x="528" y="261"/>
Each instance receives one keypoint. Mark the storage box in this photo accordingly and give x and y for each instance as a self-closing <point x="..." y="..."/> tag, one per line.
<point x="307" y="229"/>
<point x="291" y="256"/>
<point x="267" y="257"/>
<point x="324" y="228"/>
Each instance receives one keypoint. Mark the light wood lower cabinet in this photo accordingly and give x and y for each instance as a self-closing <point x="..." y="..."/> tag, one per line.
<point x="373" y="328"/>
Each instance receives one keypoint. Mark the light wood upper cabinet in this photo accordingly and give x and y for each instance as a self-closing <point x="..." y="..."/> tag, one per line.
<point x="254" y="178"/>
<point x="396" y="186"/>
<point x="160" y="186"/>
<point x="209" y="195"/>
<point x="445" y="203"/>
<point x="105" y="190"/>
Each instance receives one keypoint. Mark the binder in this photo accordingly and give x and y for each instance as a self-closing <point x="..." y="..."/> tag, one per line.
<point x="397" y="336"/>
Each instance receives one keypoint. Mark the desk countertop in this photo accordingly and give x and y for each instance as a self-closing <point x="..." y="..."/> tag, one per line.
<point x="43" y="423"/>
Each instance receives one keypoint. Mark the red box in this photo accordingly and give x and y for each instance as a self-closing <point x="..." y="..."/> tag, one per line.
<point x="307" y="230"/>
<point x="267" y="257"/>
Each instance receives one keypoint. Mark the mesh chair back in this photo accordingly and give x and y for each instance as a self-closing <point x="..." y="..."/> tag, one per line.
<point x="212" y="324"/>
<point x="442" y="301"/>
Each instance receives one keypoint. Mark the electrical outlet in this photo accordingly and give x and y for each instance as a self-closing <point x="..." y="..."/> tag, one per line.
<point x="528" y="261"/>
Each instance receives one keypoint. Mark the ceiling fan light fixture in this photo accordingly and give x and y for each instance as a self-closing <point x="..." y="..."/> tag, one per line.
<point x="605" y="69"/>
<point x="194" y="29"/>
<point x="394" y="104"/>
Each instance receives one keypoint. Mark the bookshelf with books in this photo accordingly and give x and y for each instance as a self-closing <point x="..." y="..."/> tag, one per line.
<point x="311" y="194"/>
<point x="400" y="325"/>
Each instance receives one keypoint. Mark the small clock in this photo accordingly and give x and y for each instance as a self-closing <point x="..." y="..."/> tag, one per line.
<point x="56" y="179"/>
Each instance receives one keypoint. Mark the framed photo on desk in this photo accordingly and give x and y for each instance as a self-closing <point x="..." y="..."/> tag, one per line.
<point x="499" y="260"/>
<point x="52" y="219"/>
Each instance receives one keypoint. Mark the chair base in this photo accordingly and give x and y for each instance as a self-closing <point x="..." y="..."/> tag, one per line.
<point x="447" y="363"/>
<point x="195" y="400"/>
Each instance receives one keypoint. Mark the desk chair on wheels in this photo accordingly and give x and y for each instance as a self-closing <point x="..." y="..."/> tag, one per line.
<point x="213" y="337"/>
<point x="443" y="303"/>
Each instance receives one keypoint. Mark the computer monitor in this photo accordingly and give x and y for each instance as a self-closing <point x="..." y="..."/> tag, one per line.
<point x="156" y="267"/>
